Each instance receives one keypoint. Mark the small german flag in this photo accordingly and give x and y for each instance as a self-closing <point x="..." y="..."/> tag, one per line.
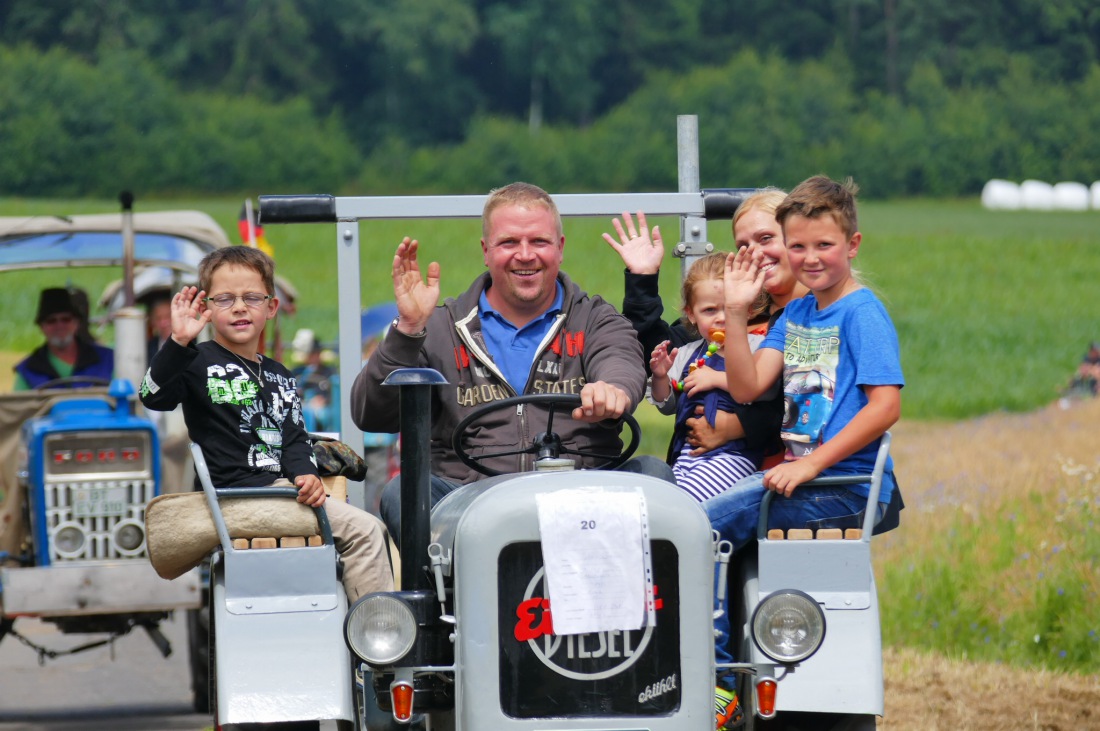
<point x="252" y="233"/>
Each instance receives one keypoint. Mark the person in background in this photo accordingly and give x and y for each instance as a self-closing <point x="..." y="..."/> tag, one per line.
<point x="158" y="323"/>
<point x="176" y="467"/>
<point x="380" y="449"/>
<point x="315" y="386"/>
<point x="64" y="354"/>
<point x="83" y="311"/>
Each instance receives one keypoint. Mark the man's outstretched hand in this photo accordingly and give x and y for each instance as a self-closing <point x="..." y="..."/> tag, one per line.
<point x="415" y="297"/>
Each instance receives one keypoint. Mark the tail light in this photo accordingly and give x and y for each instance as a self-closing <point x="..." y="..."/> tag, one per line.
<point x="401" y="695"/>
<point x="765" y="697"/>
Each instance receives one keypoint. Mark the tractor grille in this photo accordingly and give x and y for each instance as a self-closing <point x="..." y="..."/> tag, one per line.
<point x="68" y="503"/>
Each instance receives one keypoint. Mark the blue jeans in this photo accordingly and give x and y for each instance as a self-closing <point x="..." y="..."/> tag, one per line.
<point x="735" y="514"/>
<point x="390" y="505"/>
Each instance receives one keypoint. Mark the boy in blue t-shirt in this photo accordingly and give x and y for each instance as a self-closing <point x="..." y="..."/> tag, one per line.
<point x="838" y="354"/>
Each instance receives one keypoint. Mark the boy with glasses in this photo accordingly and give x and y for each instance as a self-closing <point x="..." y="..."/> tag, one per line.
<point x="243" y="409"/>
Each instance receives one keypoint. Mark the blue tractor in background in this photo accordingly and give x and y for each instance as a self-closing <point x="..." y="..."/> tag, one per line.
<point x="79" y="460"/>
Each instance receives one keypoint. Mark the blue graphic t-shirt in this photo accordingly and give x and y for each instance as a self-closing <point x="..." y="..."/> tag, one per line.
<point x="828" y="355"/>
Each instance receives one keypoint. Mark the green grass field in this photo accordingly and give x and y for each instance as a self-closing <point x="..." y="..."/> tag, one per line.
<point x="993" y="309"/>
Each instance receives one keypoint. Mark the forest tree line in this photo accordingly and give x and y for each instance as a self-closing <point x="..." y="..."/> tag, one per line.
<point x="911" y="97"/>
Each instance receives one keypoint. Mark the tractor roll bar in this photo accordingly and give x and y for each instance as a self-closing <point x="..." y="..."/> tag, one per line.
<point x="711" y="204"/>
<point x="297" y="209"/>
<point x="721" y="203"/>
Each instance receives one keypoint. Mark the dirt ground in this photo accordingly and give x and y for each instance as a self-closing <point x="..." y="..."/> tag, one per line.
<point x="932" y="693"/>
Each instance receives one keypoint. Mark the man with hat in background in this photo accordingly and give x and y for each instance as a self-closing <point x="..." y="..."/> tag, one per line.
<point x="64" y="354"/>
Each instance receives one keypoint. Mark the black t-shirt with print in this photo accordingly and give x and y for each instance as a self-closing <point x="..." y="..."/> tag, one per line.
<point x="251" y="433"/>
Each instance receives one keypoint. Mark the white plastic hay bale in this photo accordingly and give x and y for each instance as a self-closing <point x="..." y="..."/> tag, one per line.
<point x="1071" y="196"/>
<point x="1094" y="195"/>
<point x="1001" y="195"/>
<point x="1036" y="195"/>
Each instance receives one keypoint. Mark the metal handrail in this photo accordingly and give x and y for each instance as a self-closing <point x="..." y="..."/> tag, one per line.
<point x="870" y="515"/>
<point x="214" y="494"/>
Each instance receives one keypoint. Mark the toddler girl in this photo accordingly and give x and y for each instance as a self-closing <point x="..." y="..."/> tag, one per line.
<point x="694" y="375"/>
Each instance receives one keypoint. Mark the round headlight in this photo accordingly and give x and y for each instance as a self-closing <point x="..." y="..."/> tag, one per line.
<point x="129" y="536"/>
<point x="788" y="626"/>
<point x="380" y="628"/>
<point x="68" y="540"/>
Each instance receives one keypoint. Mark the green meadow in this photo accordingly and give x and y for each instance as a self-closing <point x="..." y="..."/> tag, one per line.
<point x="993" y="309"/>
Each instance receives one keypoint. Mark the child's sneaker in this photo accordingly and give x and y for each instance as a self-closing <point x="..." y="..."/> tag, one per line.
<point x="727" y="709"/>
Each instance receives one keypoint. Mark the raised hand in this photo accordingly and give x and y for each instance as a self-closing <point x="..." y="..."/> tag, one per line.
<point x="660" y="362"/>
<point x="640" y="253"/>
<point x="416" y="299"/>
<point x="743" y="279"/>
<point x="189" y="316"/>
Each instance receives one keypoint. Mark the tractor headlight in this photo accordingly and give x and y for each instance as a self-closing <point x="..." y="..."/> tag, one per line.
<point x="380" y="628"/>
<point x="68" y="540"/>
<point x="129" y="536"/>
<point x="788" y="625"/>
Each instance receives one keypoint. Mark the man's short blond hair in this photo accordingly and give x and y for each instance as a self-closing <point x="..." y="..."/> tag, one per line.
<point x="524" y="195"/>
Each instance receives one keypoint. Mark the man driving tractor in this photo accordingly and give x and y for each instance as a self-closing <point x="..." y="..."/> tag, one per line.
<point x="523" y="327"/>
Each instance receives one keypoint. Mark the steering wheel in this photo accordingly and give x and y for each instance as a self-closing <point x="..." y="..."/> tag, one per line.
<point x="71" y="381"/>
<point x="545" y="444"/>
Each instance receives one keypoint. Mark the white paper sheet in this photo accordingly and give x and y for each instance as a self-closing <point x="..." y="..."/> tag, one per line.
<point x="595" y="549"/>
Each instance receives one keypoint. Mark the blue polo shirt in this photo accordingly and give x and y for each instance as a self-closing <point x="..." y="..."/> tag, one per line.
<point x="514" y="350"/>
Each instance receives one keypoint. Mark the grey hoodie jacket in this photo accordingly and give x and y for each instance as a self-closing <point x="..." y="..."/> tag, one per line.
<point x="589" y="341"/>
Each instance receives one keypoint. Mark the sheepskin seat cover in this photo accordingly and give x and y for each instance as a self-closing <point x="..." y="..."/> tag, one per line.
<point x="179" y="530"/>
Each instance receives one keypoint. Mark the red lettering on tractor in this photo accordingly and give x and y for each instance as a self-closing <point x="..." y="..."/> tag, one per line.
<point x="535" y="619"/>
<point x="530" y="610"/>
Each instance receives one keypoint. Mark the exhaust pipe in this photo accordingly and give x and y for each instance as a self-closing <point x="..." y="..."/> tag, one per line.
<point x="416" y="439"/>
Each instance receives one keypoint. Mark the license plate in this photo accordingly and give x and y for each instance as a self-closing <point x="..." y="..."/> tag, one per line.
<point x="100" y="502"/>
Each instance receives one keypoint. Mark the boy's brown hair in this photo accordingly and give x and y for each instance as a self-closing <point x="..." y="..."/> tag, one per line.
<point x="242" y="256"/>
<point x="521" y="194"/>
<point x="820" y="196"/>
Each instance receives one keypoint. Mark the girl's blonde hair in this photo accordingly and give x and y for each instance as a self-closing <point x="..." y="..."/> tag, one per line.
<point x="711" y="266"/>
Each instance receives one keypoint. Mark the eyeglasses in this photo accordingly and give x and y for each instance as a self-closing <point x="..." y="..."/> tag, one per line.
<point x="225" y="301"/>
